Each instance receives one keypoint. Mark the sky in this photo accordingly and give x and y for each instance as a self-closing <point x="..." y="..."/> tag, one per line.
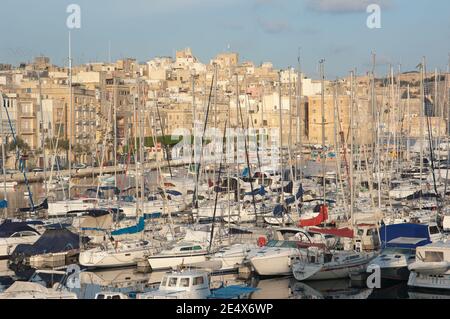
<point x="259" y="30"/>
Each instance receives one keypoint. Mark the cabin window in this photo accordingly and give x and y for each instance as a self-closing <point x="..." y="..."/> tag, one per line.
<point x="198" y="281"/>
<point x="25" y="234"/>
<point x="185" y="248"/>
<point x="197" y="248"/>
<point x="173" y="282"/>
<point x="115" y="297"/>
<point x="434" y="230"/>
<point x="434" y="256"/>
<point x="371" y="232"/>
<point x="101" y="296"/>
<point x="184" y="282"/>
<point x="360" y="232"/>
<point x="164" y="281"/>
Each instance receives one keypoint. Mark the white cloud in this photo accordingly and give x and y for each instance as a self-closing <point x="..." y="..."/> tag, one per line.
<point x="345" y="6"/>
<point x="273" y="26"/>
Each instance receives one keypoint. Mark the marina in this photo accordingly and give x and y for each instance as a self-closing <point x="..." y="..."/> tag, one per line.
<point x="162" y="177"/>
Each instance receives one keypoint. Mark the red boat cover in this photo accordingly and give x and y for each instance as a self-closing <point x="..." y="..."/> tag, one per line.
<point x="342" y="232"/>
<point x="319" y="219"/>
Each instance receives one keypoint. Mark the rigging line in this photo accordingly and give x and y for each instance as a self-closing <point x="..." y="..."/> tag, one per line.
<point x="218" y="181"/>
<point x="164" y="144"/>
<point x="248" y="160"/>
<point x="195" y="198"/>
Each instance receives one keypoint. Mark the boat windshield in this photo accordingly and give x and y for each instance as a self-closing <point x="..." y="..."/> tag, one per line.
<point x="282" y="244"/>
<point x="394" y="251"/>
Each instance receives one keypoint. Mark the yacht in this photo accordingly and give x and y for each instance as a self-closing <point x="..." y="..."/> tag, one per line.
<point x="34" y="290"/>
<point x="182" y="253"/>
<point x="274" y="258"/>
<point x="232" y="257"/>
<point x="181" y="285"/>
<point x="324" y="265"/>
<point x="15" y="233"/>
<point x="117" y="254"/>
<point x="399" y="243"/>
<point x="432" y="267"/>
<point x="193" y="284"/>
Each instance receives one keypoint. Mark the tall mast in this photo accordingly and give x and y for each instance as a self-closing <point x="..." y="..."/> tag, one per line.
<point x="324" y="153"/>
<point x="115" y="129"/>
<point x="281" y="137"/>
<point x="422" y="110"/>
<point x="408" y="129"/>
<point x="352" y="101"/>
<point x="2" y="136"/>
<point x="70" y="115"/>
<point x="299" y="117"/>
<point x="42" y="134"/>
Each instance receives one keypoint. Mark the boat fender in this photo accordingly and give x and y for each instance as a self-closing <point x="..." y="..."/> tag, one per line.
<point x="262" y="241"/>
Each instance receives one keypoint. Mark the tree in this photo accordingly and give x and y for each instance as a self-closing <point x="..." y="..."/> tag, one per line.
<point x="19" y="143"/>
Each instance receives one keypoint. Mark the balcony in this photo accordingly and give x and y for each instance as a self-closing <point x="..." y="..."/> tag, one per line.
<point x="27" y="131"/>
<point x="27" y="115"/>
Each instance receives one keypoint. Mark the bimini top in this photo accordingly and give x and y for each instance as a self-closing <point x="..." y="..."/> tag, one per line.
<point x="8" y="228"/>
<point x="405" y="235"/>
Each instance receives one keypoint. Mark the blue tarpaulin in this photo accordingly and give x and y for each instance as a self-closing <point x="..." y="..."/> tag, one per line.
<point x="390" y="235"/>
<point x="132" y="229"/>
<point x="173" y="192"/>
<point x="279" y="210"/>
<point x="300" y="192"/>
<point x="259" y="191"/>
<point x="3" y="203"/>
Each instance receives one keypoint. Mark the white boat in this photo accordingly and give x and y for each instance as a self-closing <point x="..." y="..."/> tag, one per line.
<point x="118" y="254"/>
<point x="325" y="265"/>
<point x="34" y="290"/>
<point x="181" y="285"/>
<point x="232" y="257"/>
<point x="17" y="233"/>
<point x="274" y="259"/>
<point x="403" y="191"/>
<point x="432" y="267"/>
<point x="61" y="208"/>
<point x="182" y="253"/>
<point x="399" y="242"/>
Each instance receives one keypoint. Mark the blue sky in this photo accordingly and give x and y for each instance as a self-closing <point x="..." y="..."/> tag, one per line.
<point x="259" y="30"/>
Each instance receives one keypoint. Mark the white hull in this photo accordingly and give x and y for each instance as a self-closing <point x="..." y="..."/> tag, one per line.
<point x="7" y="245"/>
<point x="109" y="259"/>
<point x="274" y="261"/>
<point x="322" y="272"/>
<point x="418" y="280"/>
<point x="61" y="208"/>
<point x="172" y="261"/>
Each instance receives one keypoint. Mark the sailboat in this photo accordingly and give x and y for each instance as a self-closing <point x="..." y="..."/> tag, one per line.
<point x="320" y="264"/>
<point x="116" y="254"/>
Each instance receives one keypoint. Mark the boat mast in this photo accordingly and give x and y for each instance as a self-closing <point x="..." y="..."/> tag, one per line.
<point x="281" y="139"/>
<point x="352" y="194"/>
<point x="422" y="109"/>
<point x="70" y="115"/>
<point x="115" y="129"/>
<point x="42" y="133"/>
<point x="2" y="136"/>
<point x="322" y="84"/>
